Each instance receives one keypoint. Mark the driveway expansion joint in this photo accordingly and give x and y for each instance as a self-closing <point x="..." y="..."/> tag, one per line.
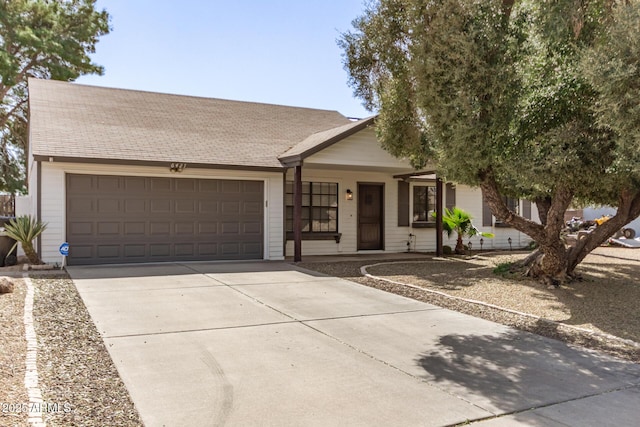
<point x="561" y="402"/>
<point x="402" y="371"/>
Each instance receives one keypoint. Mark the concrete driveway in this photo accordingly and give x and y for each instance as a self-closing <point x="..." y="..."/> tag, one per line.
<point x="262" y="343"/>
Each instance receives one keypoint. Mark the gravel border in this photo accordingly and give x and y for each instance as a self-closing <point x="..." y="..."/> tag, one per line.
<point x="13" y="394"/>
<point x="31" y="374"/>
<point x="78" y="379"/>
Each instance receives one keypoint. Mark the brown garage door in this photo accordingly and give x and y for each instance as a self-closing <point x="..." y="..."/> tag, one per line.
<point x="122" y="219"/>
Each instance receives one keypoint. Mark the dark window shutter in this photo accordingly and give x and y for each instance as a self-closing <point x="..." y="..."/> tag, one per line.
<point x="487" y="217"/>
<point x="526" y="209"/>
<point x="450" y="196"/>
<point x="403" y="204"/>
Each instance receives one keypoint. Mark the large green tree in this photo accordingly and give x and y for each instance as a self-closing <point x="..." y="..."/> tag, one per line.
<point x="48" y="39"/>
<point x="498" y="94"/>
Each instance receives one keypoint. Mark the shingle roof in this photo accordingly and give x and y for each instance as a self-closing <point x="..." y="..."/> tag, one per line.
<point x="69" y="120"/>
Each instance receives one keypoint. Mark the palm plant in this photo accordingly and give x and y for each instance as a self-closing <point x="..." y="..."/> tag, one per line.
<point x="24" y="229"/>
<point x="456" y="220"/>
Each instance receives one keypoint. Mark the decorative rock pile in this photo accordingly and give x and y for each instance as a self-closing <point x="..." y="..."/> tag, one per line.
<point x="6" y="285"/>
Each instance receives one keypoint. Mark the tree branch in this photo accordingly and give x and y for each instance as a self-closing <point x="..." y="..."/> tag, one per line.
<point x="500" y="210"/>
<point x="4" y="119"/>
<point x="20" y="77"/>
<point x="628" y="210"/>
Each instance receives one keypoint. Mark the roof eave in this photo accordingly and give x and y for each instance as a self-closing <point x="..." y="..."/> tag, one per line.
<point x="153" y="163"/>
<point x="296" y="159"/>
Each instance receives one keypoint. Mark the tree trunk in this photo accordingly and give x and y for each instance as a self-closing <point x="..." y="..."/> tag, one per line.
<point x="459" y="245"/>
<point x="554" y="262"/>
<point x="30" y="253"/>
<point x="549" y="264"/>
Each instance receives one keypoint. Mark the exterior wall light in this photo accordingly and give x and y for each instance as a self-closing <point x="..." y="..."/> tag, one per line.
<point x="177" y="167"/>
<point x="349" y="195"/>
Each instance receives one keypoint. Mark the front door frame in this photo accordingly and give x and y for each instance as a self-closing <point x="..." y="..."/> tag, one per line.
<point x="381" y="187"/>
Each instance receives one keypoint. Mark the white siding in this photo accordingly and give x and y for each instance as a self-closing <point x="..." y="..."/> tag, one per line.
<point x="470" y="199"/>
<point x="396" y="238"/>
<point x="53" y="200"/>
<point x="359" y="150"/>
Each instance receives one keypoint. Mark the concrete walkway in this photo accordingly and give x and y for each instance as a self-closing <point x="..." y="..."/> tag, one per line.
<point x="264" y="343"/>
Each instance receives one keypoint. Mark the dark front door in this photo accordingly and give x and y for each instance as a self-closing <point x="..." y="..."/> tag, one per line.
<point x="370" y="218"/>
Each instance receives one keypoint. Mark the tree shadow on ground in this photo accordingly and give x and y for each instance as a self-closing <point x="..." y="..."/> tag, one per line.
<point x="606" y="299"/>
<point x="514" y="370"/>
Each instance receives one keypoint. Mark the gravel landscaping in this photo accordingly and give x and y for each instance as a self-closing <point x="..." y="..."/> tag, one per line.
<point x="74" y="366"/>
<point x="13" y="349"/>
<point x="80" y="384"/>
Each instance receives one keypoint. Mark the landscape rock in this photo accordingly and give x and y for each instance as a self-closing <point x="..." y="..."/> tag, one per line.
<point x="6" y="285"/>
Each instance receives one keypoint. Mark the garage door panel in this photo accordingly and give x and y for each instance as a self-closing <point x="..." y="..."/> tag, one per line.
<point x="134" y="251"/>
<point x="135" y="229"/>
<point x="230" y="186"/>
<point x="230" y="248"/>
<point x="185" y="206"/>
<point x="230" y="208"/>
<point x="108" y="229"/>
<point x="136" y="184"/>
<point x="160" y="228"/>
<point x="252" y="248"/>
<point x="160" y="184"/>
<point x="185" y="229"/>
<point x="108" y="206"/>
<point x="186" y="185"/>
<point x="81" y="205"/>
<point x="139" y="219"/>
<point x="82" y="252"/>
<point x="185" y="249"/>
<point x="132" y="206"/>
<point x="252" y="228"/>
<point x="209" y="207"/>
<point x="160" y="249"/>
<point x="108" y="251"/>
<point x="79" y="183"/>
<point x="207" y="228"/>
<point x="159" y="206"/>
<point x="252" y="208"/>
<point x="208" y="185"/>
<point x="109" y="183"/>
<point x="78" y="229"/>
<point x="252" y="187"/>
<point x="230" y="228"/>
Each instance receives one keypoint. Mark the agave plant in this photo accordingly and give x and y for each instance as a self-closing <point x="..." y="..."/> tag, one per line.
<point x="24" y="229"/>
<point x="456" y="220"/>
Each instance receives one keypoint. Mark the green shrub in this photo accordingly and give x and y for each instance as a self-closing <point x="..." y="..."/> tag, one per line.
<point x="24" y="229"/>
<point x="503" y="268"/>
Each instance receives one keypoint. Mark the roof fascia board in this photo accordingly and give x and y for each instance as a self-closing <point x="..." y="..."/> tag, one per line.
<point x="59" y="159"/>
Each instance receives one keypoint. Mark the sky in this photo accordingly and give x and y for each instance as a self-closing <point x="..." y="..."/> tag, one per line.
<point x="271" y="51"/>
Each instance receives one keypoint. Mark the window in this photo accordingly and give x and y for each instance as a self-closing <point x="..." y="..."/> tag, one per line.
<point x="512" y="204"/>
<point x="424" y="203"/>
<point x="319" y="207"/>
